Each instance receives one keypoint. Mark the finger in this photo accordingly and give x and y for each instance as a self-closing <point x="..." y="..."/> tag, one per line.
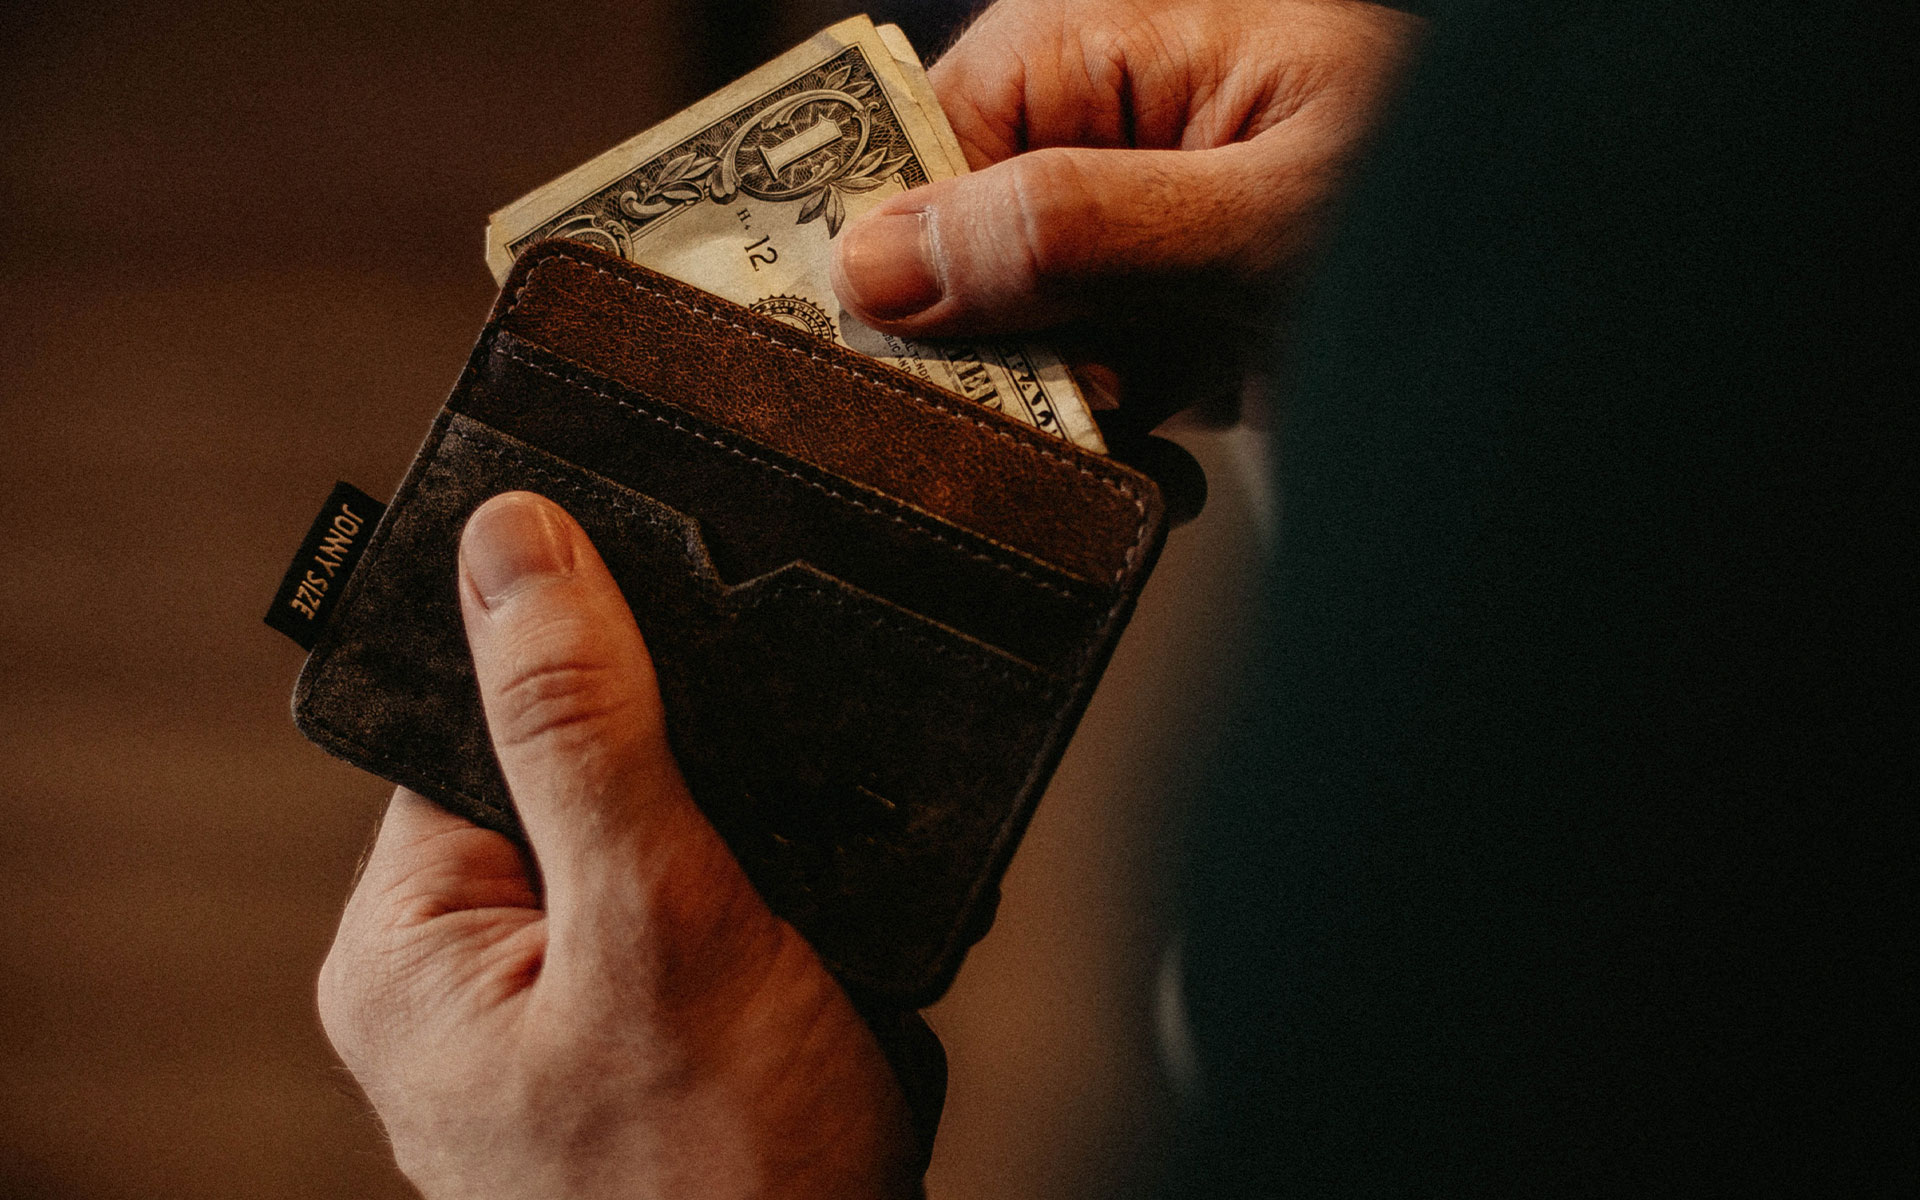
<point x="1062" y="234"/>
<point x="576" y="721"/>
<point x="1099" y="382"/>
<point x="1000" y="98"/>
<point x="1195" y="359"/>
<point x="426" y="862"/>
<point x="1028" y="75"/>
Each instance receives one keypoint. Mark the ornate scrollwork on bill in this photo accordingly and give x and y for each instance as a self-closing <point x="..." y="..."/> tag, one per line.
<point x="743" y="193"/>
<point x="825" y="135"/>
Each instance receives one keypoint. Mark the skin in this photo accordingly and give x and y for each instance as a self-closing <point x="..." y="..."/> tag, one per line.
<point x="1148" y="179"/>
<point x="620" y="1014"/>
<point x="623" y="1016"/>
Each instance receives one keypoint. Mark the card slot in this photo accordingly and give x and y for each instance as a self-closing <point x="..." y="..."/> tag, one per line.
<point x="889" y="769"/>
<point x="681" y="539"/>
<point x="760" y="509"/>
<point x="869" y="766"/>
<point x="840" y="411"/>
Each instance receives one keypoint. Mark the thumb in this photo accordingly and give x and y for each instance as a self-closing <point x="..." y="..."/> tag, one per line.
<point x="576" y="721"/>
<point x="1054" y="235"/>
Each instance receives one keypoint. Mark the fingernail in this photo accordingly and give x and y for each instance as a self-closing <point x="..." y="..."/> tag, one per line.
<point x="511" y="541"/>
<point x="887" y="262"/>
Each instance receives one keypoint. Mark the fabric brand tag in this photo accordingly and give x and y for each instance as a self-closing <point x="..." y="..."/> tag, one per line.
<point x="327" y="557"/>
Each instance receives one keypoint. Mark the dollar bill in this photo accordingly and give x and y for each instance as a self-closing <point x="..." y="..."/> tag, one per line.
<point x="743" y="193"/>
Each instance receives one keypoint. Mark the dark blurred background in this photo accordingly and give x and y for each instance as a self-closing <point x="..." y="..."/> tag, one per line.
<point x="243" y="259"/>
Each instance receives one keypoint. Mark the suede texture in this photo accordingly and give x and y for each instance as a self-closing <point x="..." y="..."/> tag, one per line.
<point x="866" y="694"/>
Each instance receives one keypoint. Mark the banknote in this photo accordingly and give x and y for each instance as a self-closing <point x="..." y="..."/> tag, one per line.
<point x="743" y="193"/>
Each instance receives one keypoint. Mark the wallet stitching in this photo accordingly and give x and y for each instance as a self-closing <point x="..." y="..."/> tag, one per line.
<point x="1003" y="671"/>
<point x="1116" y="485"/>
<point x="1023" y="801"/>
<point x="984" y="662"/>
<point x="721" y="444"/>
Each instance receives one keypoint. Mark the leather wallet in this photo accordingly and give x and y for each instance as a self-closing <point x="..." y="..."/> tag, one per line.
<point x="876" y="609"/>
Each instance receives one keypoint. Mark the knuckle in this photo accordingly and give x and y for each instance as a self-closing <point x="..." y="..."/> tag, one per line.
<point x="1053" y="212"/>
<point x="557" y="688"/>
<point x="368" y="987"/>
<point x="333" y="996"/>
<point x="345" y="996"/>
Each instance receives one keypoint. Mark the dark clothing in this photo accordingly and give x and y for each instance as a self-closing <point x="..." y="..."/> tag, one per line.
<point x="1563" y="841"/>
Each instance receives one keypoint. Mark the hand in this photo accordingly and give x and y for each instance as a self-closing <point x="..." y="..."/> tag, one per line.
<point x="1146" y="174"/>
<point x="622" y="1016"/>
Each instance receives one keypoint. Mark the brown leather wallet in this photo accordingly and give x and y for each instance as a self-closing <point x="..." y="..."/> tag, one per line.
<point x="877" y="610"/>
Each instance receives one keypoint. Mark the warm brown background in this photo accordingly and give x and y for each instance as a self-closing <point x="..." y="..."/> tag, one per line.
<point x="241" y="260"/>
